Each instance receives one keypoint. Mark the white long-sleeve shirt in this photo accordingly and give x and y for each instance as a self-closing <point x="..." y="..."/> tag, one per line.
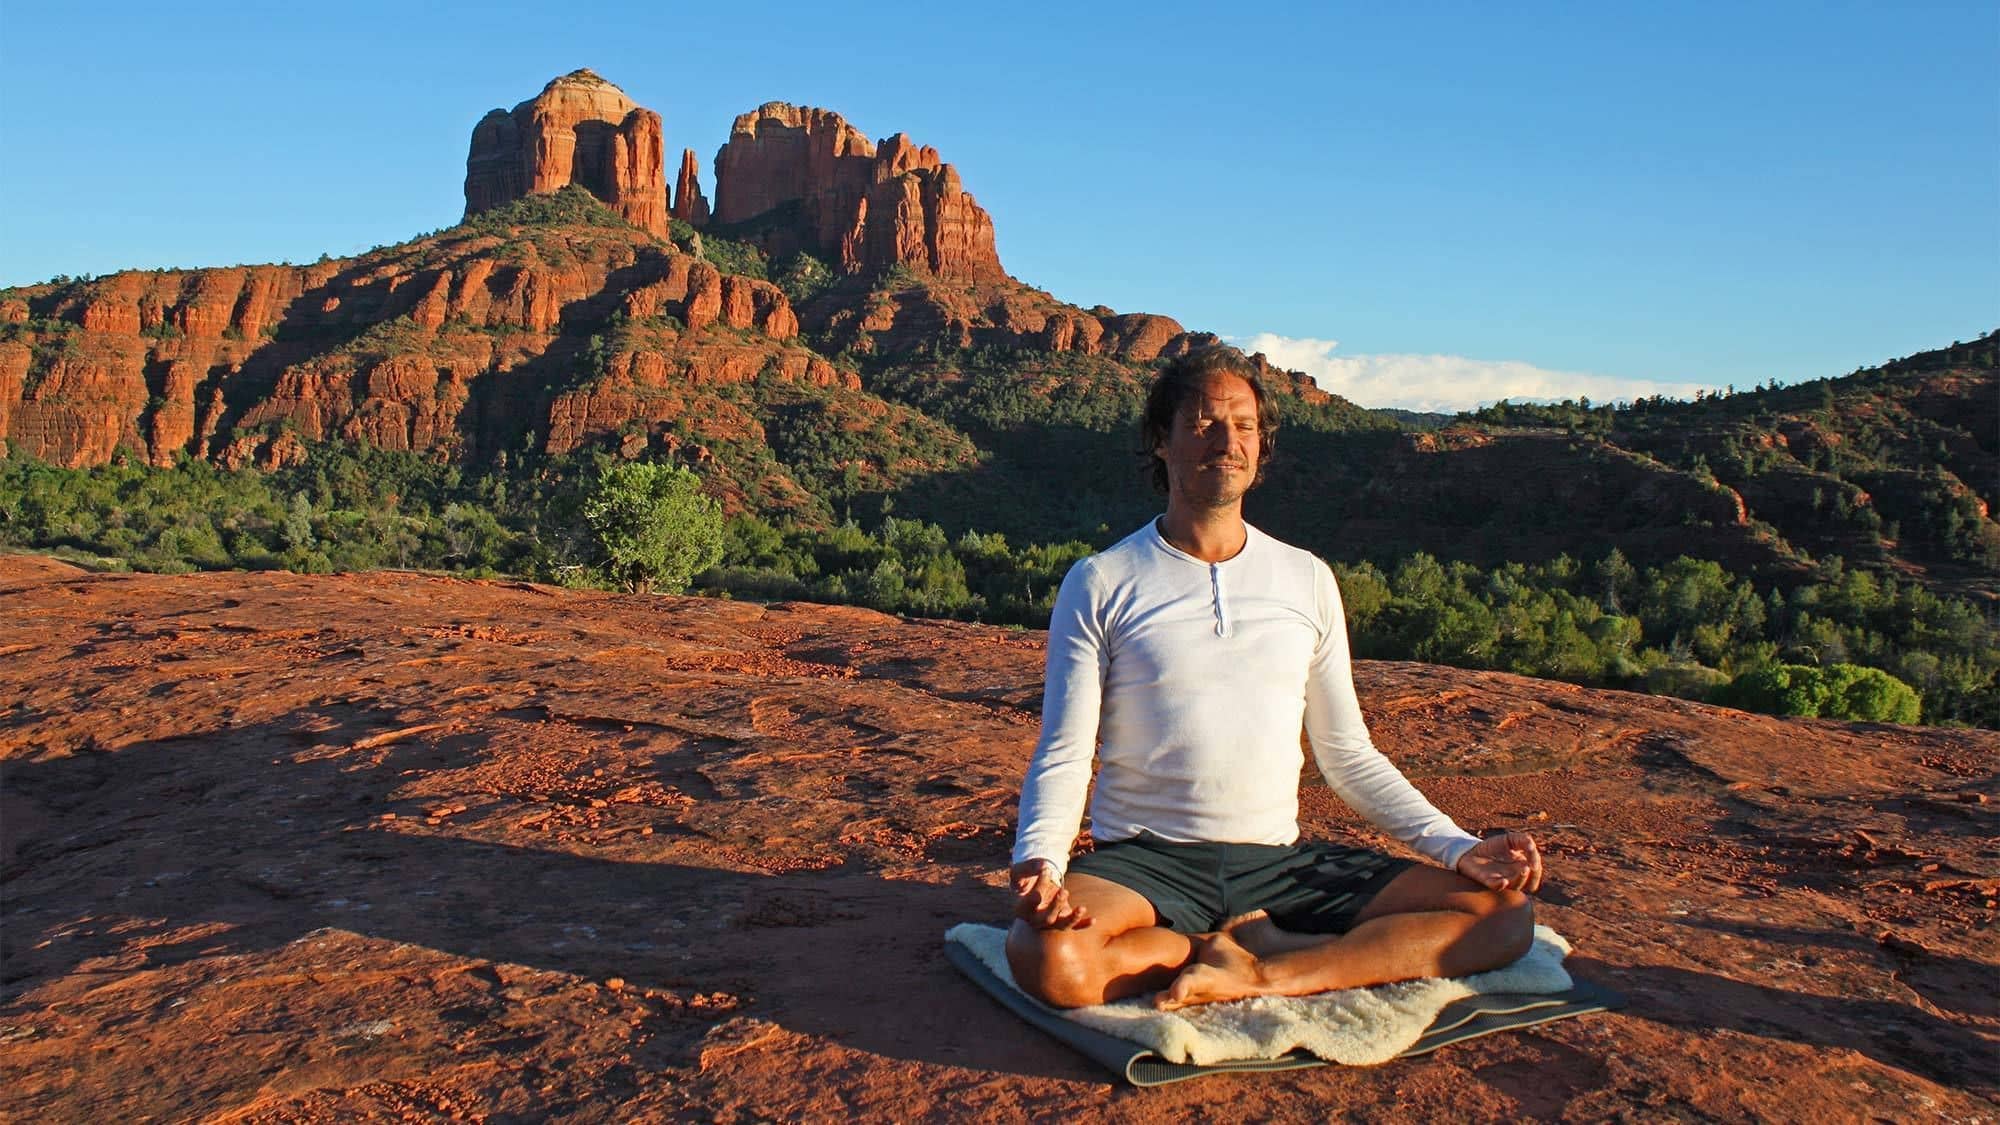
<point x="1196" y="677"/>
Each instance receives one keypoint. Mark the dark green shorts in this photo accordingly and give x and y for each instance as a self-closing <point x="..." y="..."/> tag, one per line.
<point x="1306" y="887"/>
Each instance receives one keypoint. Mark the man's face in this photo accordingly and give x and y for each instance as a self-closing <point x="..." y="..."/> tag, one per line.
<point x="1211" y="452"/>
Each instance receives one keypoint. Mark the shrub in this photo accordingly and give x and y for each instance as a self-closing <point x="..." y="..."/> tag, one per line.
<point x="1837" y="691"/>
<point x="652" y="527"/>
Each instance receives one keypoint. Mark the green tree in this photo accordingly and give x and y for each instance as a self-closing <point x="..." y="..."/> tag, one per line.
<point x="298" y="523"/>
<point x="651" y="526"/>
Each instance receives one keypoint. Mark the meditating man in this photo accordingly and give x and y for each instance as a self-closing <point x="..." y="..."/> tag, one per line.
<point x="1185" y="658"/>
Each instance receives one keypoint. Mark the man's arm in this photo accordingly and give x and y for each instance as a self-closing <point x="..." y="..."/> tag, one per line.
<point x="1356" y="771"/>
<point x="1058" y="776"/>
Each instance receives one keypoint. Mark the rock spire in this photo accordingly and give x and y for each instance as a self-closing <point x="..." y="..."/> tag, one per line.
<point x="690" y="206"/>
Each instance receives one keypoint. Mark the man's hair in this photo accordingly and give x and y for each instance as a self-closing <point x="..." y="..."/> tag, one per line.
<point x="1180" y="381"/>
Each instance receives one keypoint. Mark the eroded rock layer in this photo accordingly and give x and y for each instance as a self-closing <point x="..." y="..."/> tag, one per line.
<point x="440" y="345"/>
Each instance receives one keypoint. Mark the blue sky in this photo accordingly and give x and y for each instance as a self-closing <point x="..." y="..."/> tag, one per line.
<point x="1430" y="207"/>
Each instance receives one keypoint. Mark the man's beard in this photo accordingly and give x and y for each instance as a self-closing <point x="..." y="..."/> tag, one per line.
<point x="1228" y="492"/>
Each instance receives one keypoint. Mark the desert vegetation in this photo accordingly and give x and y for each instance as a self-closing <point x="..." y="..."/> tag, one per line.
<point x="1684" y="627"/>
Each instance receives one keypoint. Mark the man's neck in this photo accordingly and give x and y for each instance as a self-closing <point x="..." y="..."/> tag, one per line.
<point x="1212" y="535"/>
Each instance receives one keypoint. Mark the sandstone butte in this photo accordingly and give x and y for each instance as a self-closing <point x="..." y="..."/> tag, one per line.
<point x="579" y="130"/>
<point x="459" y="342"/>
<point x="391" y="846"/>
<point x="865" y="208"/>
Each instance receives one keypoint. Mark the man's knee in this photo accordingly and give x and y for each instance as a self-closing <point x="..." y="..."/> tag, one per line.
<point x="1514" y="914"/>
<point x="1059" y="967"/>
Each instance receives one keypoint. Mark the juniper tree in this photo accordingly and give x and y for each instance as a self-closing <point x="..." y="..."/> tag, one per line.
<point x="651" y="526"/>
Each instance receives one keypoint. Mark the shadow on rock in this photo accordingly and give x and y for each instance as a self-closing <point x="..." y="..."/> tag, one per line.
<point x="239" y="843"/>
<point x="1901" y="1036"/>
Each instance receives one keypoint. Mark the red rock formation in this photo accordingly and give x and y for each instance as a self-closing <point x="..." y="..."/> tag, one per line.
<point x="700" y="295"/>
<point x="654" y="387"/>
<point x="1008" y="316"/>
<point x="15" y="362"/>
<point x="690" y="206"/>
<point x="868" y="210"/>
<point x="580" y="129"/>
<point x="781" y="153"/>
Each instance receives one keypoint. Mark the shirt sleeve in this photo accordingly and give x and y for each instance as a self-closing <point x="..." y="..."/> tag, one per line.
<point x="1356" y="771"/>
<point x="1058" y="777"/>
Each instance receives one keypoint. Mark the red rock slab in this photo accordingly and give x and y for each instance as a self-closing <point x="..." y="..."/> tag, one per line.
<point x="290" y="848"/>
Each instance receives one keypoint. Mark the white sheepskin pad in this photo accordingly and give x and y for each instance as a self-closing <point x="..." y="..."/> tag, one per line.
<point x="1357" y="1026"/>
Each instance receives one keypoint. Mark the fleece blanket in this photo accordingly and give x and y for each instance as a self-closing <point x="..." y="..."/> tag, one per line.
<point x="1362" y="1026"/>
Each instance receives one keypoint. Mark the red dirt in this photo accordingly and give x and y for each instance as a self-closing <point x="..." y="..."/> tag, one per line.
<point x="387" y="846"/>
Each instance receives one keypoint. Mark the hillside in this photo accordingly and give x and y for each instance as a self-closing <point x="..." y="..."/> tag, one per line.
<point x="281" y="847"/>
<point x="1895" y="467"/>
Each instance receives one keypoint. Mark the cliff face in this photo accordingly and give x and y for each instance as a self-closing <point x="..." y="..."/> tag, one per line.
<point x="579" y="130"/>
<point x="828" y="191"/>
<point x="136" y="360"/>
<point x="392" y="349"/>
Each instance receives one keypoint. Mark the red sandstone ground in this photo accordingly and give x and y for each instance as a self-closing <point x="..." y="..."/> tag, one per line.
<point x="395" y="847"/>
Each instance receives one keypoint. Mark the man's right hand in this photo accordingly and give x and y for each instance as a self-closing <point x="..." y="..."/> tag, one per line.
<point x="1041" y="902"/>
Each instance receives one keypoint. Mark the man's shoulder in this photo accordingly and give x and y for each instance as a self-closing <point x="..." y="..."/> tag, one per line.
<point x="1123" y="555"/>
<point x="1141" y="540"/>
<point x="1284" y="553"/>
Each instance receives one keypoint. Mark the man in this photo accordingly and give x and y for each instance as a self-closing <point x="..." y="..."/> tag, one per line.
<point x="1193" y="650"/>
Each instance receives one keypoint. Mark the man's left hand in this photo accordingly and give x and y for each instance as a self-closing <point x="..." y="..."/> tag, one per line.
<point x="1507" y="862"/>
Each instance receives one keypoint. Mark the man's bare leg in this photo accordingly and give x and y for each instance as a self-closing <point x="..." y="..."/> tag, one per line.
<point x="1427" y="922"/>
<point x="1124" y="951"/>
<point x="1257" y="933"/>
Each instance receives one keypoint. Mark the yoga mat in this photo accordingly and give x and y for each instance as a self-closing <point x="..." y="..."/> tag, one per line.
<point x="1464" y="1019"/>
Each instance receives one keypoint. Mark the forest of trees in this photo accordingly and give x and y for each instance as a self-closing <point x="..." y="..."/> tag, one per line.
<point x="1686" y="627"/>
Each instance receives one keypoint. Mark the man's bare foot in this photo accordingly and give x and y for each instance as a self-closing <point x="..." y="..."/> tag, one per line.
<point x="1223" y="970"/>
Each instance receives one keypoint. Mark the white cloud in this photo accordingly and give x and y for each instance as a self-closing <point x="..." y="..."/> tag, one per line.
<point x="1445" y="383"/>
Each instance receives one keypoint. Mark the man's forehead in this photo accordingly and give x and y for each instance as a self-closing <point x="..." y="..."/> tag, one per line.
<point x="1221" y="393"/>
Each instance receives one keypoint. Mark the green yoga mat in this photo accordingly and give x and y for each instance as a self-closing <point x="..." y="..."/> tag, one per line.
<point x="1136" y="1063"/>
